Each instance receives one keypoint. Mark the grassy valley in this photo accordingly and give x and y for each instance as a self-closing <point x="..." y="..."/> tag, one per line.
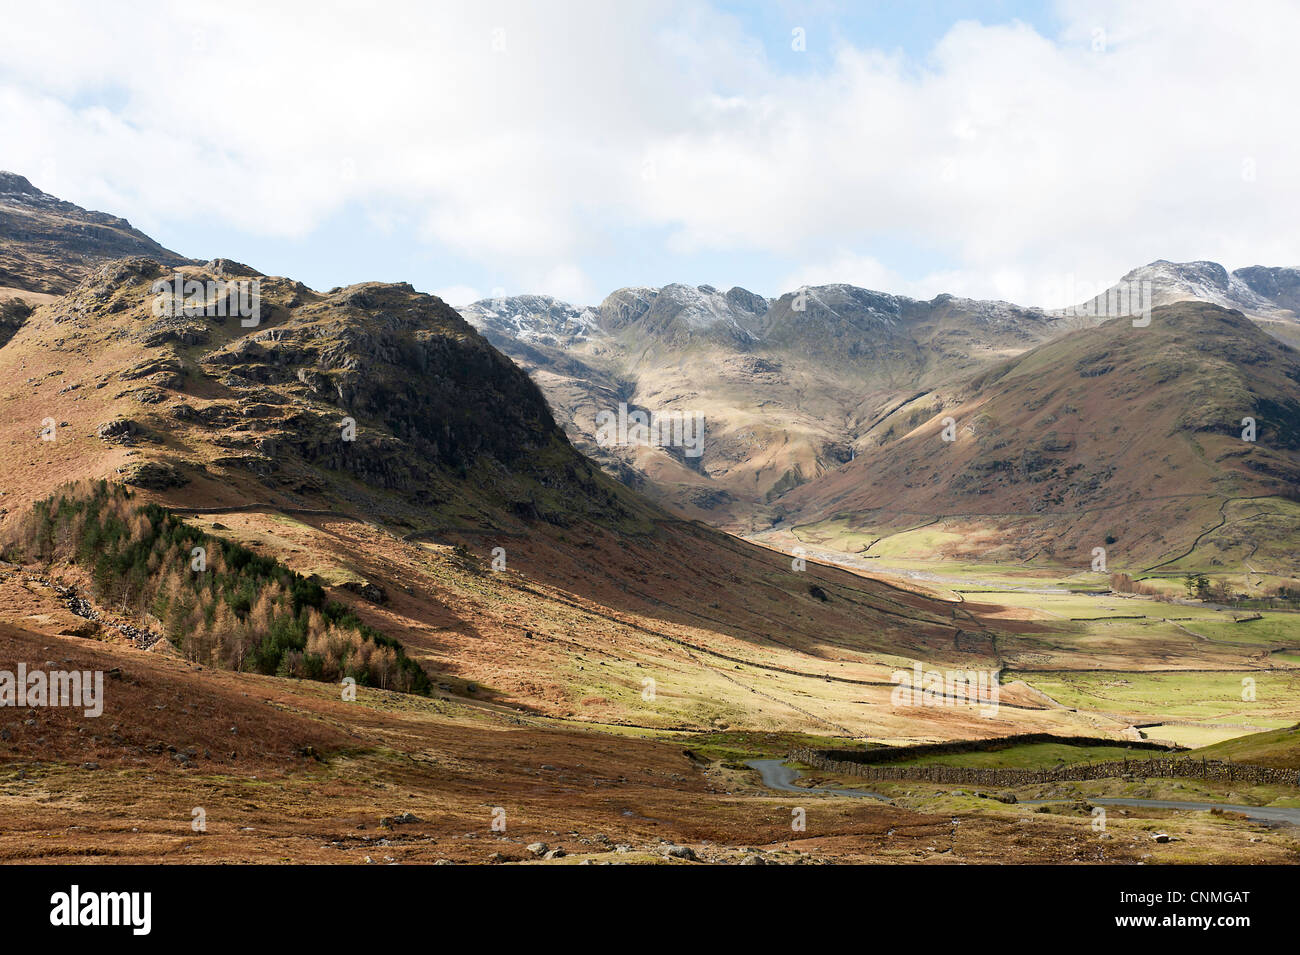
<point x="352" y="586"/>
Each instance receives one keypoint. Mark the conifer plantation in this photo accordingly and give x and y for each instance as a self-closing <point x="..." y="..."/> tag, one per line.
<point x="219" y="602"/>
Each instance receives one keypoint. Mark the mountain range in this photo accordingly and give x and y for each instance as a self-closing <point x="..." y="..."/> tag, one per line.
<point x="789" y="386"/>
<point x="809" y="400"/>
<point x="795" y="388"/>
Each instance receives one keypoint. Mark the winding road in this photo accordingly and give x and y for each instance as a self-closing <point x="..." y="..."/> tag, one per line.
<point x="1290" y="817"/>
<point x="777" y="775"/>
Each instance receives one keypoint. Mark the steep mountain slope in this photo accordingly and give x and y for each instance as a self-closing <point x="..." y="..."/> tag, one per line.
<point x="546" y="338"/>
<point x="49" y="245"/>
<point x="372" y="397"/>
<point x="1278" y="286"/>
<point x="1117" y="437"/>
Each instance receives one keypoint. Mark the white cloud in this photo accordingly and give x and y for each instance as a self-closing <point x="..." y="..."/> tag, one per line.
<point x="846" y="267"/>
<point x="1014" y="159"/>
<point x="458" y="295"/>
<point x="568" y="283"/>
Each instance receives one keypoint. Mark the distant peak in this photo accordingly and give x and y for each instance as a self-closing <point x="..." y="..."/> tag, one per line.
<point x="1201" y="270"/>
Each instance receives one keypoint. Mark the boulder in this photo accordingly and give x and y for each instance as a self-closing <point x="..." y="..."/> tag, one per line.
<point x="366" y="590"/>
<point x="152" y="475"/>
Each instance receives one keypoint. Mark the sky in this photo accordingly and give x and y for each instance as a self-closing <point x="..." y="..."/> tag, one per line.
<point x="1028" y="151"/>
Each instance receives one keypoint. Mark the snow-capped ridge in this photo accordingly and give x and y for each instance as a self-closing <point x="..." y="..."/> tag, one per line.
<point x="534" y="319"/>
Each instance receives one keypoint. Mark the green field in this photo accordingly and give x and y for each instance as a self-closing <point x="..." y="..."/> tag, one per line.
<point x="1028" y="756"/>
<point x="1279" y="747"/>
<point x="1193" y="736"/>
<point x="1211" y="697"/>
<point x="1277" y="629"/>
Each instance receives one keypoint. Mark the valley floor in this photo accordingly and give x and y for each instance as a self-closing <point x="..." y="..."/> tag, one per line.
<point x="285" y="772"/>
<point x="554" y="742"/>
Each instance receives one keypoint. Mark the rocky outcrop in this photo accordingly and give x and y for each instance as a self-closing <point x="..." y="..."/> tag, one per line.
<point x="153" y="475"/>
<point x="1280" y="286"/>
<point x="365" y="389"/>
<point x="13" y="312"/>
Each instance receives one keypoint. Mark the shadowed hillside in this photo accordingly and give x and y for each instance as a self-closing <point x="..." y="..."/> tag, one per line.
<point x="1118" y="437"/>
<point x="369" y="439"/>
